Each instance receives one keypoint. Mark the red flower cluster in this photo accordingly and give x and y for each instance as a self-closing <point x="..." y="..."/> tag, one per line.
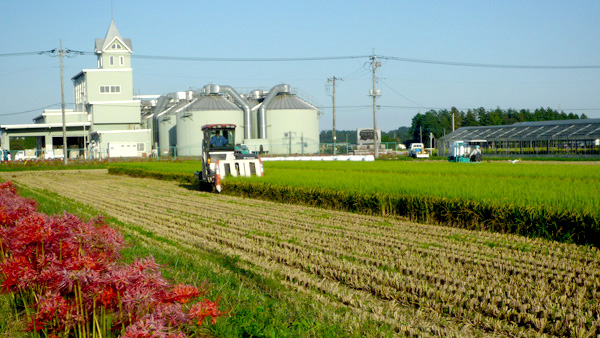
<point x="67" y="269"/>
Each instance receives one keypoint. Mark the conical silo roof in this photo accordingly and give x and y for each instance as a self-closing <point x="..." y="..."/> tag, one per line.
<point x="212" y="102"/>
<point x="287" y="101"/>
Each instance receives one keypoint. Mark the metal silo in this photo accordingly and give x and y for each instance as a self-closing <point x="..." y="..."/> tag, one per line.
<point x="166" y="120"/>
<point x="211" y="108"/>
<point x="289" y="123"/>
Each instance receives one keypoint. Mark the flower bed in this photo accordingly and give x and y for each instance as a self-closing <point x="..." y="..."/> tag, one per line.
<point x="66" y="279"/>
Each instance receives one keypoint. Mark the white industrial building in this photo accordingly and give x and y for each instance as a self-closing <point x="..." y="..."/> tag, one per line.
<point x="109" y="121"/>
<point x="276" y="121"/>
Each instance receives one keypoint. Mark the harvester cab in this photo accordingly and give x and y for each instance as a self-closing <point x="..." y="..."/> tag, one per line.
<point x="465" y="152"/>
<point x="221" y="157"/>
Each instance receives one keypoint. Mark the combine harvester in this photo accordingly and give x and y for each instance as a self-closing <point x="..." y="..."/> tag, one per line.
<point x="222" y="158"/>
<point x="465" y="152"/>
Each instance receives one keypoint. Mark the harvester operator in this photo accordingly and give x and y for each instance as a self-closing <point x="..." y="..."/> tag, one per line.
<point x="218" y="140"/>
<point x="476" y="155"/>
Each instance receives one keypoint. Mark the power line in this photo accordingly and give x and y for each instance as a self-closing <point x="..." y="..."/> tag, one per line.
<point x="431" y="108"/>
<point x="22" y="54"/>
<point x="406" y="98"/>
<point x="487" y="65"/>
<point x="29" y="111"/>
<point x="72" y="53"/>
<point x="221" y="59"/>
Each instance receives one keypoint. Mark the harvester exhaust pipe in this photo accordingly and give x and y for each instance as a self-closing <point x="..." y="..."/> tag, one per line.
<point x="262" y="111"/>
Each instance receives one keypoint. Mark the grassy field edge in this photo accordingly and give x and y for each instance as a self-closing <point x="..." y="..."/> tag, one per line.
<point x="259" y="306"/>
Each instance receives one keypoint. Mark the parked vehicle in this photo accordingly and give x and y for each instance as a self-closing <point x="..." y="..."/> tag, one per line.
<point x="417" y="150"/>
<point x="20" y="155"/>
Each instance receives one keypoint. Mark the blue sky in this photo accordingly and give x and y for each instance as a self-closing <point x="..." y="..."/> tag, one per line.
<point x="509" y="32"/>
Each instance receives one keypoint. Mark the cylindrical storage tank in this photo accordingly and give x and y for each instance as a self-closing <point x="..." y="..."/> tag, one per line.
<point x="208" y="109"/>
<point x="254" y="104"/>
<point x="167" y="134"/>
<point x="293" y="125"/>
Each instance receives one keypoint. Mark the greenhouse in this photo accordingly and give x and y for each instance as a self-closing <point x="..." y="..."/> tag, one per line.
<point x="551" y="138"/>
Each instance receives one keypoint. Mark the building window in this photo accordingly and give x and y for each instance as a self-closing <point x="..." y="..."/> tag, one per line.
<point x="141" y="147"/>
<point x="116" y="46"/>
<point x="122" y="60"/>
<point x="110" y="89"/>
<point x="111" y="61"/>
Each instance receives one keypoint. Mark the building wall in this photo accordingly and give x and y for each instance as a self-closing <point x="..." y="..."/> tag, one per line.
<point x="116" y="113"/>
<point x="100" y="141"/>
<point x="97" y="81"/>
<point x="119" y="59"/>
<point x="55" y="116"/>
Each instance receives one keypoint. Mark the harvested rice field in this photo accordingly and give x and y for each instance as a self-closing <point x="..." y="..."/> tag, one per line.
<point x="424" y="280"/>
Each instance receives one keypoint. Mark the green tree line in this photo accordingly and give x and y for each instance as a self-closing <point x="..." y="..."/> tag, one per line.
<point x="439" y="122"/>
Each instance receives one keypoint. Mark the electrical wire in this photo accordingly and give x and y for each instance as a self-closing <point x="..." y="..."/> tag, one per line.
<point x="406" y="98"/>
<point x="217" y="59"/>
<point x="32" y="110"/>
<point x="73" y="53"/>
<point x="487" y="65"/>
<point x="22" y="54"/>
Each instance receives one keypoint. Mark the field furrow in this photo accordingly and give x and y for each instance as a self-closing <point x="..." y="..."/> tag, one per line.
<point x="423" y="279"/>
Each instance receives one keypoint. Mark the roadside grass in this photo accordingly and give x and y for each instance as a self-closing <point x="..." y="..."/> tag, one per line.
<point x="51" y="165"/>
<point x="259" y="307"/>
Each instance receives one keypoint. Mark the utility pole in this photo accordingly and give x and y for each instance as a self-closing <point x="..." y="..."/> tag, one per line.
<point x="332" y="80"/>
<point x="374" y="93"/>
<point x="62" y="100"/>
<point x="60" y="52"/>
<point x="289" y="135"/>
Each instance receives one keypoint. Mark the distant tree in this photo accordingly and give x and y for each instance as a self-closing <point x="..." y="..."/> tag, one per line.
<point x="525" y="115"/>
<point x="470" y="119"/>
<point x="495" y="117"/>
<point x="17" y="144"/>
<point x="400" y="135"/>
<point x="458" y="119"/>
<point x="326" y="136"/>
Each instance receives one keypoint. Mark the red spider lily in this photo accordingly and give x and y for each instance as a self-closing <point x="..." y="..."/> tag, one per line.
<point x="172" y="314"/>
<point x="51" y="307"/>
<point x="18" y="273"/>
<point x="182" y="294"/>
<point x="8" y="185"/>
<point x="205" y="308"/>
<point x="147" y="327"/>
<point x="70" y="266"/>
<point x="107" y="296"/>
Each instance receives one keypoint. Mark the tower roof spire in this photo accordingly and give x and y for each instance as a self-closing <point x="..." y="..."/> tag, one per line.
<point x="111" y="35"/>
